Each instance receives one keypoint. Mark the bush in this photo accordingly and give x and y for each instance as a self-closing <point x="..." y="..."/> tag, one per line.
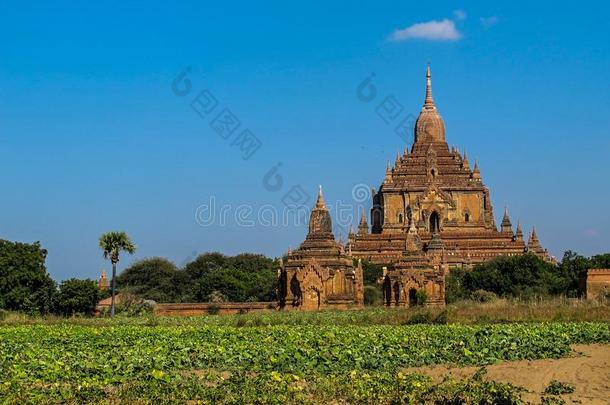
<point x="213" y="309"/>
<point x="483" y="296"/>
<point x="216" y="297"/>
<point x="372" y="295"/>
<point x="129" y="305"/>
<point x="77" y="297"/>
<point x="421" y="297"/>
<point x="556" y="387"/>
<point x="604" y="296"/>
<point x="420" y="317"/>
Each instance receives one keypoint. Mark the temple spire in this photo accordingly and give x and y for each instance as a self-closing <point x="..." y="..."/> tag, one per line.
<point x="465" y="164"/>
<point x="320" y="223"/>
<point x="506" y="226"/>
<point x="320" y="203"/>
<point x="363" y="227"/>
<point x="476" y="173"/>
<point x="429" y="101"/>
<point x="519" y="233"/>
<point x="388" y="174"/>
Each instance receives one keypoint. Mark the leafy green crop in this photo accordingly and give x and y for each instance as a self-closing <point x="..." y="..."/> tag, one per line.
<point x="70" y="363"/>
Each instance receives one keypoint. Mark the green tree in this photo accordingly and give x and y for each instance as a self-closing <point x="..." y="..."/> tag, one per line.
<point x="245" y="277"/>
<point x="454" y="285"/>
<point x="204" y="264"/>
<point x="112" y="244"/>
<point x="515" y="276"/>
<point x="371" y="271"/>
<point x="25" y="284"/>
<point x="155" y="279"/>
<point x="77" y="297"/>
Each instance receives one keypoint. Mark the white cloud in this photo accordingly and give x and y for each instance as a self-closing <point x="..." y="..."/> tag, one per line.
<point x="487" y="22"/>
<point x="432" y="30"/>
<point x="459" y="15"/>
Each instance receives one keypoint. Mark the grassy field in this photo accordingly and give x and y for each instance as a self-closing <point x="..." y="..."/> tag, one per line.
<point x="340" y="357"/>
<point x="466" y="312"/>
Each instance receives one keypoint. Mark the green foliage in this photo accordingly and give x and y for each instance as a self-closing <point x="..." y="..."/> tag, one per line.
<point x="197" y="360"/>
<point x="522" y="276"/>
<point x="525" y="276"/>
<point x="371" y="272"/>
<point x="25" y="284"/>
<point x="237" y="285"/>
<point x="454" y="285"/>
<point x="155" y="279"/>
<point x="245" y="277"/>
<point x="77" y="297"/>
<point x="483" y="296"/>
<point x="113" y="243"/>
<point x="129" y="305"/>
<point x="206" y="263"/>
<point x="556" y="387"/>
<point x="372" y="295"/>
<point x="428" y="317"/>
<point x="421" y="297"/>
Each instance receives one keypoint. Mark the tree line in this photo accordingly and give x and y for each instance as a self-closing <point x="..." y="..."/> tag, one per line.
<point x="525" y="276"/>
<point x="26" y="286"/>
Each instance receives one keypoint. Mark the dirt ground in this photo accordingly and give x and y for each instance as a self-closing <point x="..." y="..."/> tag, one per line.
<point x="588" y="371"/>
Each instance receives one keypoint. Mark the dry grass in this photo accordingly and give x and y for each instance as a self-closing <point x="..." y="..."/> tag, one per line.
<point x="558" y="309"/>
<point x="464" y="312"/>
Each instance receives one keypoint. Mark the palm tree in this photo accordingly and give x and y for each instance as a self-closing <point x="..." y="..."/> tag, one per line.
<point x="113" y="243"/>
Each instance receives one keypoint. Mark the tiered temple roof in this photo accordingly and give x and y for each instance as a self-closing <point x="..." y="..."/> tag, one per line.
<point x="433" y="188"/>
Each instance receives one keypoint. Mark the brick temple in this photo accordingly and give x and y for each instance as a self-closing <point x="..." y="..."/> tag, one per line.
<point x="431" y="212"/>
<point x="320" y="274"/>
<point x="433" y="188"/>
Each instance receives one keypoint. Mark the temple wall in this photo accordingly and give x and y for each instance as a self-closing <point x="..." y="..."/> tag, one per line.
<point x="470" y="202"/>
<point x="597" y="281"/>
<point x="208" y="308"/>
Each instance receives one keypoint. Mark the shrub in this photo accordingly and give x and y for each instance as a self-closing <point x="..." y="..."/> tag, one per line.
<point x="213" y="309"/>
<point x="421" y="317"/>
<point x="556" y="387"/>
<point x="372" y="295"/>
<point x="483" y="296"/>
<point x="130" y="305"/>
<point x="421" y="297"/>
<point x="604" y="296"/>
<point x="77" y="297"/>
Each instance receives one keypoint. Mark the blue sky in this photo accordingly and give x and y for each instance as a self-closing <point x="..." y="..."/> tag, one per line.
<point x="92" y="137"/>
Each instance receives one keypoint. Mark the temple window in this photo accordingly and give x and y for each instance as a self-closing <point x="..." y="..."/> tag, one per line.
<point x="400" y="218"/>
<point x="466" y="217"/>
<point x="434" y="222"/>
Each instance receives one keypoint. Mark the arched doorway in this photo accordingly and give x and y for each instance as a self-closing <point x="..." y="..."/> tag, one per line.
<point x="412" y="297"/>
<point x="311" y="299"/>
<point x="396" y="293"/>
<point x="435" y="222"/>
<point x="387" y="291"/>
